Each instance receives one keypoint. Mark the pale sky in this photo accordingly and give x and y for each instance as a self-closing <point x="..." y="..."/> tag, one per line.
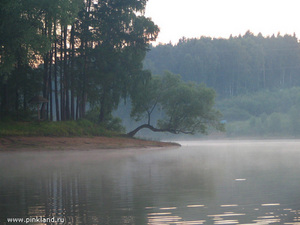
<point x="220" y="18"/>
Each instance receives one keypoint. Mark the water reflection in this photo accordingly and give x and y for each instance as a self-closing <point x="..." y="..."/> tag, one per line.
<point x="204" y="183"/>
<point x="278" y="216"/>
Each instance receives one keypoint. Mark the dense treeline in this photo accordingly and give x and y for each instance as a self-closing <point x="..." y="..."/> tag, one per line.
<point x="263" y="114"/>
<point x="73" y="53"/>
<point x="233" y="66"/>
<point x="244" y="107"/>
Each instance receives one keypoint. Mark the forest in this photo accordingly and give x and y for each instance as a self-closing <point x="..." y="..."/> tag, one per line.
<point x="74" y="54"/>
<point x="69" y="60"/>
<point x="85" y="58"/>
<point x="256" y="79"/>
<point x="233" y="66"/>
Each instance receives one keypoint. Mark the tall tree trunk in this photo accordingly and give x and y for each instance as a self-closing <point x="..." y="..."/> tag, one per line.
<point x="17" y="94"/>
<point x="44" y="115"/>
<point x="84" y="47"/>
<point x="24" y="101"/>
<point x="84" y="95"/>
<point x="17" y="77"/>
<point x="50" y="24"/>
<point x="4" y="99"/>
<point x="77" y="107"/>
<point x="62" y="88"/>
<point x="66" y="75"/>
<point x="102" y="107"/>
<point x="72" y="59"/>
<point x="55" y="75"/>
<point x="83" y="81"/>
<point x="50" y="86"/>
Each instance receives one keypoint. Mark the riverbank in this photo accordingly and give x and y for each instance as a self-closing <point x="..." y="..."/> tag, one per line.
<point x="76" y="143"/>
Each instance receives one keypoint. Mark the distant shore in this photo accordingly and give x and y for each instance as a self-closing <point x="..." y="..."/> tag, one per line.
<point x="77" y="143"/>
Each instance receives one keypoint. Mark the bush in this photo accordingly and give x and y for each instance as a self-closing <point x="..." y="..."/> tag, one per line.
<point x="274" y="125"/>
<point x="59" y="128"/>
<point x="294" y="120"/>
<point x="111" y="123"/>
<point x="265" y="102"/>
<point x="234" y="114"/>
<point x="114" y="124"/>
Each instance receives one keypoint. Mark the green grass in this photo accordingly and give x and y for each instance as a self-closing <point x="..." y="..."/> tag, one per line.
<point x="55" y="129"/>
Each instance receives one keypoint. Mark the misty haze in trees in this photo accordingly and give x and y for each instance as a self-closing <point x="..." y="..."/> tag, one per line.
<point x="73" y="52"/>
<point x="234" y="66"/>
<point x="256" y="79"/>
<point x="184" y="107"/>
<point x="89" y="54"/>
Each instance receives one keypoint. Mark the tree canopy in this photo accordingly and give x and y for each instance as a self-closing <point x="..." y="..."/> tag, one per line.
<point x="186" y="108"/>
<point x="73" y="53"/>
<point x="233" y="66"/>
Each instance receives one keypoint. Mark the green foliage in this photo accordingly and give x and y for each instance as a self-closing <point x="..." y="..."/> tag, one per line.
<point x="256" y="79"/>
<point x="148" y="96"/>
<point x="118" y="35"/>
<point x="57" y="129"/>
<point x="185" y="107"/>
<point x="188" y="108"/>
<point x="234" y="66"/>
<point x="97" y="61"/>
<point x="294" y="120"/>
<point x="265" y="126"/>
<point x="114" y="124"/>
<point x="264" y="102"/>
<point x="276" y="114"/>
<point x="111" y="123"/>
<point x="26" y="38"/>
<point x="19" y="34"/>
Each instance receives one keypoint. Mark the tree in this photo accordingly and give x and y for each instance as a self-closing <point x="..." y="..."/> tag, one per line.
<point x="120" y="39"/>
<point x="83" y="51"/>
<point x="234" y="66"/>
<point x="186" y="107"/>
<point x="21" y="43"/>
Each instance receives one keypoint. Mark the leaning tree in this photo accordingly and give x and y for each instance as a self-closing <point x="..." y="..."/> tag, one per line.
<point x="186" y="108"/>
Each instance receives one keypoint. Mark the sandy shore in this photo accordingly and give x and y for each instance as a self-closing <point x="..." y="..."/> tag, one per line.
<point x="76" y="143"/>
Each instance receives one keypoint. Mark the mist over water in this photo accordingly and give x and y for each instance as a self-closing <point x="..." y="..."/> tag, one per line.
<point x="207" y="182"/>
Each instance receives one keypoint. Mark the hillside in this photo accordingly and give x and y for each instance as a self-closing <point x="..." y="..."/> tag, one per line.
<point x="234" y="66"/>
<point x="256" y="79"/>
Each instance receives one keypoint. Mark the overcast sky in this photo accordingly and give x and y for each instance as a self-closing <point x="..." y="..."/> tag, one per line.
<point x="220" y="18"/>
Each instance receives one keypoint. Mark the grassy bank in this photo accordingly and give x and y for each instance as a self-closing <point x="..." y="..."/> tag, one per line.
<point x="68" y="135"/>
<point x="54" y="129"/>
<point x="14" y="143"/>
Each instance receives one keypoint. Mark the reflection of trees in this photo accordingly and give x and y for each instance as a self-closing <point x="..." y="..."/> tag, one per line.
<point x="94" y="190"/>
<point x="175" y="182"/>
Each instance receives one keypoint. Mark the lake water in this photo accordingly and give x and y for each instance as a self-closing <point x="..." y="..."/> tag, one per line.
<point x="207" y="182"/>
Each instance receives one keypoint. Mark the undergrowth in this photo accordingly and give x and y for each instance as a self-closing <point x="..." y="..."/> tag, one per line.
<point x="56" y="129"/>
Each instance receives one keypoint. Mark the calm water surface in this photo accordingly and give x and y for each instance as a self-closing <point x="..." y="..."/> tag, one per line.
<point x="207" y="182"/>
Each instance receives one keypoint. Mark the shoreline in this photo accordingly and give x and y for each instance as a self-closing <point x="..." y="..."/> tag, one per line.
<point x="23" y="143"/>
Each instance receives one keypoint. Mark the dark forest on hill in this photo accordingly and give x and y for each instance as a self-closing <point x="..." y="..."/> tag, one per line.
<point x="73" y="54"/>
<point x="234" y="66"/>
<point x="63" y="60"/>
<point x="256" y="79"/>
<point x="81" y="58"/>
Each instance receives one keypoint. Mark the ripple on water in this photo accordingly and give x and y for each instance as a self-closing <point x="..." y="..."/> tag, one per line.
<point x="237" y="214"/>
<point x="195" y="206"/>
<point x="233" y="205"/>
<point x="270" y="204"/>
<point x="168" y="208"/>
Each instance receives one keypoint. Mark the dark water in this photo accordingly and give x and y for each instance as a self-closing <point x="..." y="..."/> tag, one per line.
<point x="256" y="182"/>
